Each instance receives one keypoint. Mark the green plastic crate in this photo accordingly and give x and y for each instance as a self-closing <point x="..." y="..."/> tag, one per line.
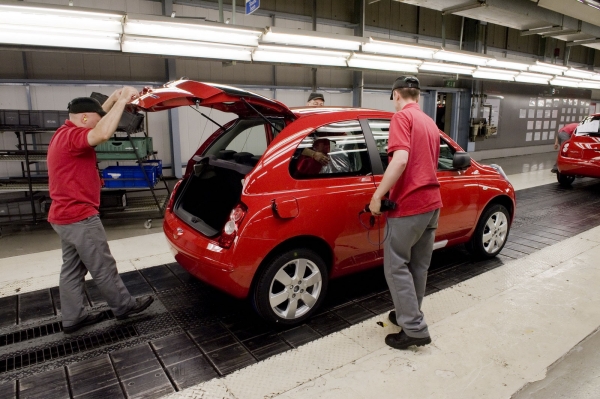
<point x="117" y="149"/>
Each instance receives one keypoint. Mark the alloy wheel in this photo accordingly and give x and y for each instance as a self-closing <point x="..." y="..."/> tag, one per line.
<point x="495" y="232"/>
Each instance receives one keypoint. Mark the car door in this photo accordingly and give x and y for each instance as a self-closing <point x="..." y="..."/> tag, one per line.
<point x="459" y="189"/>
<point x="337" y="192"/>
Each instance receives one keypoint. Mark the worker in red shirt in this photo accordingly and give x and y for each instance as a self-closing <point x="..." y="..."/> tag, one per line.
<point x="75" y="192"/>
<point x="564" y="134"/>
<point x="411" y="179"/>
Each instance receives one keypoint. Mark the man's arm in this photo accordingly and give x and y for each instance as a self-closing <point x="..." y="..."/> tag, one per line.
<point x="556" y="142"/>
<point x="108" y="124"/>
<point x="390" y="177"/>
<point x="111" y="100"/>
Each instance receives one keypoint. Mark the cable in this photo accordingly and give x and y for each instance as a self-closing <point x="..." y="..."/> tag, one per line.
<point x="372" y="220"/>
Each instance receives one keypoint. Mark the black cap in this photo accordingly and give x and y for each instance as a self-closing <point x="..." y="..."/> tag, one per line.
<point x="82" y="105"/>
<point x="315" y="96"/>
<point x="405" y="82"/>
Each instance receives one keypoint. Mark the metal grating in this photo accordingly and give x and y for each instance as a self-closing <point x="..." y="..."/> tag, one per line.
<point x="68" y="348"/>
<point x="30" y="333"/>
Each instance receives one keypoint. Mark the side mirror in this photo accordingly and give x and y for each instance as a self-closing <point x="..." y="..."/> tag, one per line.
<point x="461" y="160"/>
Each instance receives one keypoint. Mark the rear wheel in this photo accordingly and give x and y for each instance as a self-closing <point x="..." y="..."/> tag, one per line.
<point x="291" y="287"/>
<point x="564" y="180"/>
<point x="491" y="232"/>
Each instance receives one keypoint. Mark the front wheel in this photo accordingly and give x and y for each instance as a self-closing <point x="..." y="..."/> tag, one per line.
<point x="291" y="287"/>
<point x="491" y="232"/>
<point x="563" y="180"/>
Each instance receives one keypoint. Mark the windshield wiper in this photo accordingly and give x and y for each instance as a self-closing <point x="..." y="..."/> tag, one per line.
<point x="262" y="116"/>
<point x="208" y="117"/>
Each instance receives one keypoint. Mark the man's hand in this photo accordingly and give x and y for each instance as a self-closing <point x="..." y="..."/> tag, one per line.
<point x="556" y="146"/>
<point x="128" y="93"/>
<point x="375" y="206"/>
<point x="323" y="159"/>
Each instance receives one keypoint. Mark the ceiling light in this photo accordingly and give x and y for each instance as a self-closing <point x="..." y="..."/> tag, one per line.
<point x="62" y="18"/>
<point x="297" y="55"/>
<point x="528" y="77"/>
<point x="197" y="31"/>
<point x="496" y="74"/>
<point x="53" y="37"/>
<point x="384" y="63"/>
<point x="446" y="68"/>
<point x="561" y="81"/>
<point x="508" y="64"/>
<point x="547" y="68"/>
<point x="310" y="39"/>
<point x="590" y="84"/>
<point x="397" y="48"/>
<point x="185" y="48"/>
<point x="462" y="57"/>
<point x="578" y="73"/>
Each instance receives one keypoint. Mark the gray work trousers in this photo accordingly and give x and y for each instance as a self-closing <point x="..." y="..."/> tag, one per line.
<point x="406" y="258"/>
<point x="85" y="248"/>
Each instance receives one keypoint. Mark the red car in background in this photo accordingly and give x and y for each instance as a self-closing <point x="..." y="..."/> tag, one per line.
<point x="250" y="218"/>
<point x="580" y="155"/>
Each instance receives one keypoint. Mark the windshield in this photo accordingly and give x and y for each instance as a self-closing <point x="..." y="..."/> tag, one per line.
<point x="589" y="126"/>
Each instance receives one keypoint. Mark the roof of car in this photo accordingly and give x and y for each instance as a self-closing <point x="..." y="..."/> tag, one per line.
<point x="304" y="111"/>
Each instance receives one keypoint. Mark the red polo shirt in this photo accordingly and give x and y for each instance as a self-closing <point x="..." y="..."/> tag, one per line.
<point x="417" y="190"/>
<point x="569" y="129"/>
<point x="74" y="180"/>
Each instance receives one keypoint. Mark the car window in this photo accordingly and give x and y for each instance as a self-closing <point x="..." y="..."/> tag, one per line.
<point x="381" y="132"/>
<point x="253" y="139"/>
<point x="342" y="142"/>
<point x="247" y="137"/>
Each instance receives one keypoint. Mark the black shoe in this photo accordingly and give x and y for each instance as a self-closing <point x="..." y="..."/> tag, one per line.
<point x="88" y="321"/>
<point x="141" y="304"/>
<point x="554" y="169"/>
<point x="392" y="317"/>
<point x="403" y="341"/>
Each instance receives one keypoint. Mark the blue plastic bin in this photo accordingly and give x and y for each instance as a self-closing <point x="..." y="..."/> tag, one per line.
<point x="131" y="176"/>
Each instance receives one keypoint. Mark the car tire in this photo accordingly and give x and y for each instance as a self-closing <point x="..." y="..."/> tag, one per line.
<point x="291" y="287"/>
<point x="491" y="232"/>
<point x="564" y="180"/>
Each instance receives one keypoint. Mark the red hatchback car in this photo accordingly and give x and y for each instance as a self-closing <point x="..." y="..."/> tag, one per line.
<point x="580" y="155"/>
<point x="255" y="216"/>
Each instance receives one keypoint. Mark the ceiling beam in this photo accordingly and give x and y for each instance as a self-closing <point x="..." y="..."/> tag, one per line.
<point x="541" y="31"/>
<point x="584" y="41"/>
<point x="562" y="33"/>
<point x="464" y="7"/>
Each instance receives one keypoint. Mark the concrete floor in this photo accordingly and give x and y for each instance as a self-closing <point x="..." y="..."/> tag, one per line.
<point x="518" y="330"/>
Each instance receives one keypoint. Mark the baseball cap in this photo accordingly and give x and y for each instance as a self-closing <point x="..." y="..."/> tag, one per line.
<point x="405" y="82"/>
<point x="81" y="105"/>
<point x="313" y="96"/>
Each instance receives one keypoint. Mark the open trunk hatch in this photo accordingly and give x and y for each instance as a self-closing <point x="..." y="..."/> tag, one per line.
<point x="181" y="93"/>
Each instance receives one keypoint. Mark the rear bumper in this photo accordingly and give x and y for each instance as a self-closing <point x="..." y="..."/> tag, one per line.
<point x="578" y="167"/>
<point x="230" y="270"/>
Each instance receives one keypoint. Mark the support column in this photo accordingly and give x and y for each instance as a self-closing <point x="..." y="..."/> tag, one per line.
<point x="314" y="28"/>
<point x="358" y="76"/>
<point x="174" y="134"/>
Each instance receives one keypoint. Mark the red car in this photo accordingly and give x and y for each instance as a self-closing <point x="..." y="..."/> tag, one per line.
<point x="255" y="217"/>
<point x="580" y="155"/>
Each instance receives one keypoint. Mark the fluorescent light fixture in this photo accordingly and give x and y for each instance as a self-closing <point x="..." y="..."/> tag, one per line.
<point x="528" y="77"/>
<point x="495" y="74"/>
<point x="384" y="63"/>
<point x="59" y="17"/>
<point x="551" y="69"/>
<point x="508" y="64"/>
<point x="185" y="48"/>
<point x="578" y="73"/>
<point x="446" y="68"/>
<point x="562" y="81"/>
<point x="189" y="30"/>
<point x="310" y="39"/>
<point x="398" y="48"/>
<point x="53" y="37"/>
<point x="590" y="84"/>
<point x="462" y="57"/>
<point x="298" y="55"/>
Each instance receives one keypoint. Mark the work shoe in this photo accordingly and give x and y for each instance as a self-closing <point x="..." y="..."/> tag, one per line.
<point x="392" y="317"/>
<point x="88" y="321"/>
<point x="141" y="304"/>
<point x="554" y="169"/>
<point x="403" y="341"/>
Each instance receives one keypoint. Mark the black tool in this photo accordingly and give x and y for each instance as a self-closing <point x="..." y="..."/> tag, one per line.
<point x="386" y="205"/>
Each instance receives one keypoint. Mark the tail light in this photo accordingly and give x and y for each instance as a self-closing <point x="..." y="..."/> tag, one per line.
<point x="231" y="227"/>
<point x="172" y="197"/>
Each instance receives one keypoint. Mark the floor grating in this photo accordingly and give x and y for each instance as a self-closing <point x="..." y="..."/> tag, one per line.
<point x="194" y="333"/>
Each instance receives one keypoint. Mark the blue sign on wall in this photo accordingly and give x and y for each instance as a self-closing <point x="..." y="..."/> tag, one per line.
<point x="251" y="6"/>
